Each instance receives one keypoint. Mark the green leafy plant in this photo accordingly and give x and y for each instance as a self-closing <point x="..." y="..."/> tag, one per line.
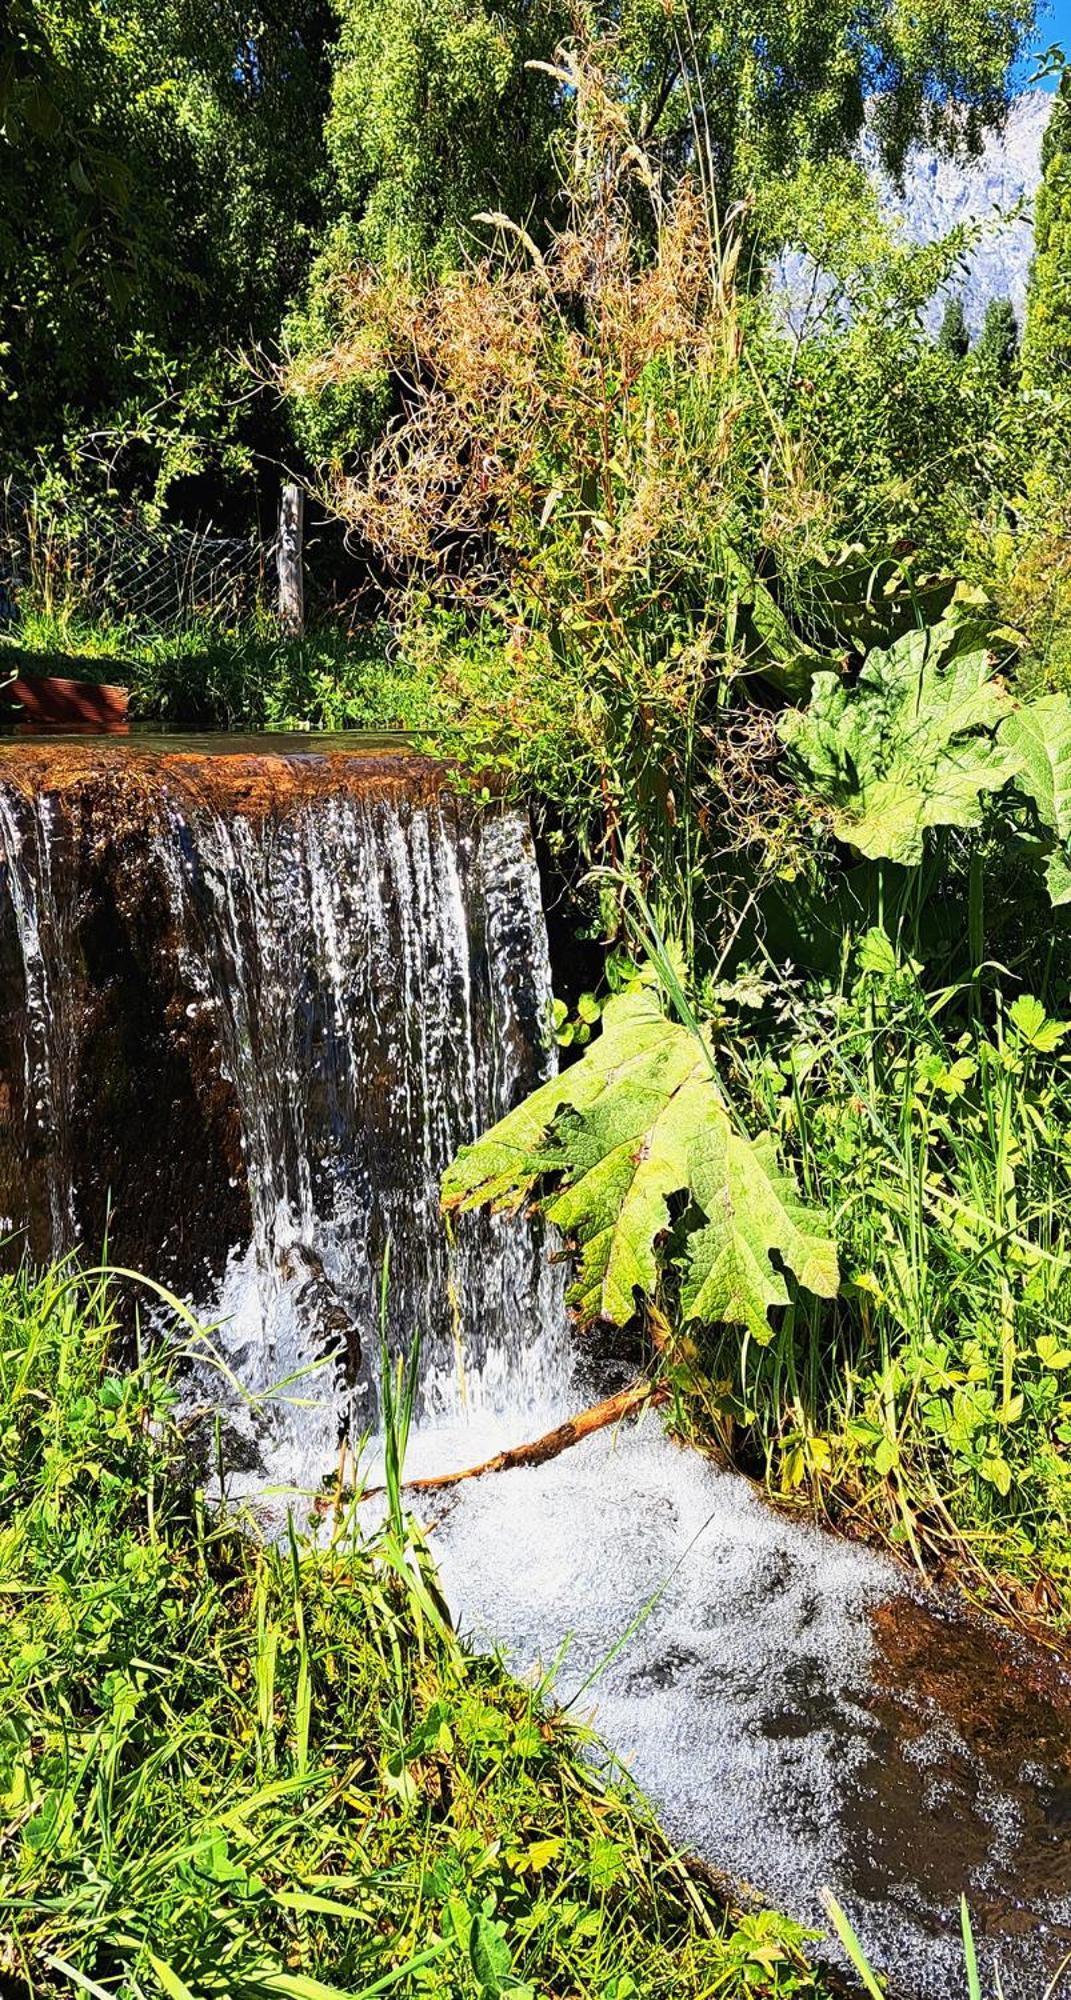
<point x="1038" y="736"/>
<point x="930" y="1400"/>
<point x="639" y="1120"/>
<point x="927" y="733"/>
<point x="910" y="746"/>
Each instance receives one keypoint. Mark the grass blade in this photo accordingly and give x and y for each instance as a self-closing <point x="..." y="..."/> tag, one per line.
<point x="851" y="1943"/>
<point x="173" y="1986"/>
<point x="77" y="1978"/>
<point x="970" y="1956"/>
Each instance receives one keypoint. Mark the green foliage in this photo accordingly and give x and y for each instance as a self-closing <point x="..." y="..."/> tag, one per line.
<point x="617" y="491"/>
<point x="434" y="115"/>
<point x="924" y="738"/>
<point x="909" y="452"/>
<point x="953" y="338"/>
<point x="159" y="173"/>
<point x="1047" y="340"/>
<point x="1038" y="734"/>
<point x="182" y="183"/>
<point x="997" y="346"/>
<point x="775" y="85"/>
<point x="438" y="115"/>
<point x="1024" y="560"/>
<point x="935" y="1128"/>
<point x="232" y="1768"/>
<point x="638" y="1120"/>
<point x="558" y="506"/>
<point x="909" y="747"/>
<point x="338" y="386"/>
<point x="205" y="674"/>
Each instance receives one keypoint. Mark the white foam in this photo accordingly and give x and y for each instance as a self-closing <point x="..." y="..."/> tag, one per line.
<point x="723" y="1652"/>
<point x="743" y="1607"/>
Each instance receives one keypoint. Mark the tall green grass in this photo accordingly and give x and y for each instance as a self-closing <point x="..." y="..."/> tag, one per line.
<point x="933" y="1399"/>
<point x="204" y="673"/>
<point x="248" y="1768"/>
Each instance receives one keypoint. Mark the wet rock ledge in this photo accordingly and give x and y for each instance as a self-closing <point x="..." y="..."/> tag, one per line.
<point x="118" y="1108"/>
<point x="253" y="775"/>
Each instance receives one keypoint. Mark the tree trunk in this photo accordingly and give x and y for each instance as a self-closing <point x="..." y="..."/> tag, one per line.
<point x="291" y="576"/>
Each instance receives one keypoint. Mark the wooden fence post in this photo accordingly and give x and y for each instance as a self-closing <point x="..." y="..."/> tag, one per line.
<point x="291" y="576"/>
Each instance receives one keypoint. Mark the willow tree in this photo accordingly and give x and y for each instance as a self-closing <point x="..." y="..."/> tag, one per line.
<point x="444" y="110"/>
<point x="160" y="172"/>
<point x="768" y="86"/>
<point x="436" y="114"/>
<point x="1047" y="339"/>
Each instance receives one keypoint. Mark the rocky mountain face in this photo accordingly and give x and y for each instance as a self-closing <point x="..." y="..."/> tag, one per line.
<point x="940" y="193"/>
<point x="993" y="195"/>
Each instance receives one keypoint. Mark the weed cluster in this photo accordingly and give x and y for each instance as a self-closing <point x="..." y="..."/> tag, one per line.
<point x="934" y="1129"/>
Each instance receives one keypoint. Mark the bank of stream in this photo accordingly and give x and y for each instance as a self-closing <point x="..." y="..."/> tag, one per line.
<point x="256" y="995"/>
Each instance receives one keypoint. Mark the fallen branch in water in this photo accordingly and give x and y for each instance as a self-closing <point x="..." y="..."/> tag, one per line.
<point x="611" y="1410"/>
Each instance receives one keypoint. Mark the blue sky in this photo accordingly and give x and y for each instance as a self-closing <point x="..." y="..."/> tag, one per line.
<point x="1054" y="25"/>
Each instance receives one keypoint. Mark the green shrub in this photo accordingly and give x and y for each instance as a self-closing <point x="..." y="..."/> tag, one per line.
<point x="934" y="1127"/>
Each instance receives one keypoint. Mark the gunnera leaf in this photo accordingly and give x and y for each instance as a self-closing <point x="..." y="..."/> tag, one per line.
<point x="607" y="1145"/>
<point x="909" y="746"/>
<point x="1038" y="735"/>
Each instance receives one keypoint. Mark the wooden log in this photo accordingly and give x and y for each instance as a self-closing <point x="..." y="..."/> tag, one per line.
<point x="291" y="572"/>
<point x="611" y="1410"/>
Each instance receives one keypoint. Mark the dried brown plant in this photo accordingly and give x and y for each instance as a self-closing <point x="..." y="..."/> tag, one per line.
<point x="576" y="424"/>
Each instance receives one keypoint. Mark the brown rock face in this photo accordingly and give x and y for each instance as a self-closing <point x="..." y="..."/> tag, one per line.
<point x="118" y="1121"/>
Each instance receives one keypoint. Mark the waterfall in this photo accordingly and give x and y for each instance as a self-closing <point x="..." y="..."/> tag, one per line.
<point x="254" y="997"/>
<point x="380" y="982"/>
<point x="349" y="979"/>
<point x="32" y="849"/>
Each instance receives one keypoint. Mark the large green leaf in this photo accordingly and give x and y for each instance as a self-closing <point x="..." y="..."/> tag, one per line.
<point x="908" y="747"/>
<point x="1039" y="737"/>
<point x="638" y="1120"/>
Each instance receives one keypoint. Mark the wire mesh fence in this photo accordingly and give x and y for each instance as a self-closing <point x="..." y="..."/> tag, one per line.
<point x="105" y="561"/>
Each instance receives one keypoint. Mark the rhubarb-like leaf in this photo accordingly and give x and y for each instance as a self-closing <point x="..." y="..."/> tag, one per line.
<point x="607" y="1145"/>
<point x="910" y="746"/>
<point x="1039" y="737"/>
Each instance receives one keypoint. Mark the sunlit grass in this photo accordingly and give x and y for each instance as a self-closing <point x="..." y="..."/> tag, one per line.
<point x="232" y="1767"/>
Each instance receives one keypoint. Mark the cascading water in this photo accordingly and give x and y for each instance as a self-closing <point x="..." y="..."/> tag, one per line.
<point x="352" y="969"/>
<point x="256" y="997"/>
<point x="380" y="984"/>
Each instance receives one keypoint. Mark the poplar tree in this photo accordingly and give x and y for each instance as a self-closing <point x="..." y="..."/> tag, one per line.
<point x="1047" y="340"/>
<point x="953" y="338"/>
<point x="997" y="345"/>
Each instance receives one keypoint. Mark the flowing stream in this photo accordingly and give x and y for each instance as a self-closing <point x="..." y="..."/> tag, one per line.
<point x="255" y="995"/>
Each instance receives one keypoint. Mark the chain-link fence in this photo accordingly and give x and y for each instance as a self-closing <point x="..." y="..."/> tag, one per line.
<point x="108" y="561"/>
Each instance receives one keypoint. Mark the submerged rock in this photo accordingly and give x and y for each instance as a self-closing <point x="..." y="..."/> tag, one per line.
<point x="326" y="1322"/>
